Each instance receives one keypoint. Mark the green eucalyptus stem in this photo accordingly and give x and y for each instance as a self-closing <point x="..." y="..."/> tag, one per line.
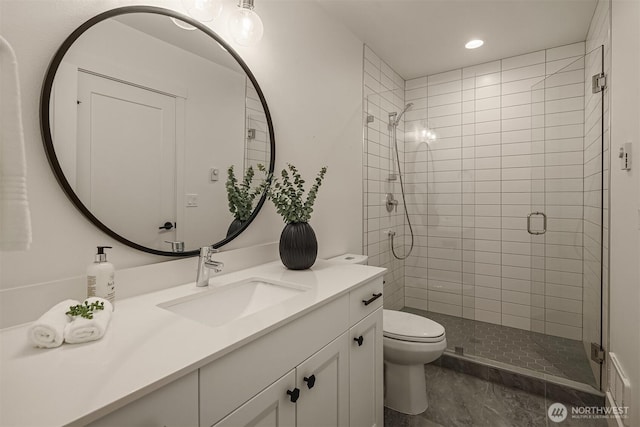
<point x="241" y="195"/>
<point x="85" y="310"/>
<point x="287" y="193"/>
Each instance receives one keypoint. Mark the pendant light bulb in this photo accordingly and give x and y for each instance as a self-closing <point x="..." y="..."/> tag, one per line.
<point x="203" y="10"/>
<point x="245" y="25"/>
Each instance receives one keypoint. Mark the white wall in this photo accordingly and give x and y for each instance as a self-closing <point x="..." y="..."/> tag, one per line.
<point x="625" y="196"/>
<point x="310" y="69"/>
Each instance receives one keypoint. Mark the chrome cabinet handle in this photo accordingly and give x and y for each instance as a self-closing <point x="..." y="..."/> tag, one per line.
<point x="544" y="223"/>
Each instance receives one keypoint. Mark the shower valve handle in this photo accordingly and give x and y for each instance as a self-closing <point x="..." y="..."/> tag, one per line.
<point x="391" y="203"/>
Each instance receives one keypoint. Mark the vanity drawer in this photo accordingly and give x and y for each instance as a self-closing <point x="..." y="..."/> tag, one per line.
<point x="365" y="300"/>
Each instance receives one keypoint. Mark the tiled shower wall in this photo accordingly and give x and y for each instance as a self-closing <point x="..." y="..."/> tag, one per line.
<point x="383" y="93"/>
<point x="257" y="150"/>
<point x="499" y="146"/>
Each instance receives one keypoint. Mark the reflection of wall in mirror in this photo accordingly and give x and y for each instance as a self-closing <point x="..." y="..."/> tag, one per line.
<point x="116" y="50"/>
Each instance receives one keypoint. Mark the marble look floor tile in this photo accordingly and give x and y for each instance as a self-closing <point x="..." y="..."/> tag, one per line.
<point x="457" y="399"/>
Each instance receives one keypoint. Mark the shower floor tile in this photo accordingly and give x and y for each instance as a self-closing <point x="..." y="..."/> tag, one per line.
<point x="546" y="354"/>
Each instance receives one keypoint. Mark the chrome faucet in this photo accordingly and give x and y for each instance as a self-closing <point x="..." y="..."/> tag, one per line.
<point x="206" y="264"/>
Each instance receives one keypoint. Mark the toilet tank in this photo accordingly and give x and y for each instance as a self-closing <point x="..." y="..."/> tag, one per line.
<point x="349" y="259"/>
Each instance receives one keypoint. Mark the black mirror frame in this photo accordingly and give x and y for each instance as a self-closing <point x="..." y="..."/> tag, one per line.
<point x="45" y="126"/>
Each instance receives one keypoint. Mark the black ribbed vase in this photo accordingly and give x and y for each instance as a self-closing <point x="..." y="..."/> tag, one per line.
<point x="235" y="225"/>
<point x="298" y="246"/>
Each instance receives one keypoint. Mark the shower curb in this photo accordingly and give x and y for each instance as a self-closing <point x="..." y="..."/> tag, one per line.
<point x="551" y="387"/>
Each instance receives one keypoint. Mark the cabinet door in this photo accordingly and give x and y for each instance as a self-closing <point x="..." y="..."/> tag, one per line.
<point x="323" y="380"/>
<point x="365" y="372"/>
<point x="272" y="407"/>
<point x="175" y="404"/>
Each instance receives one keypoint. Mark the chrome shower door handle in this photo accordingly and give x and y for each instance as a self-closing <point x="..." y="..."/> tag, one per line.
<point x="544" y="223"/>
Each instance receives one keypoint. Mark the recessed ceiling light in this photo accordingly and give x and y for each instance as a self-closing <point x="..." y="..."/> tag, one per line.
<point x="474" y="44"/>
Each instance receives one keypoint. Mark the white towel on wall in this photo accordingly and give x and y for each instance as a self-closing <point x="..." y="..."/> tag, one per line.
<point x="48" y="330"/>
<point x="15" y="217"/>
<point x="81" y="330"/>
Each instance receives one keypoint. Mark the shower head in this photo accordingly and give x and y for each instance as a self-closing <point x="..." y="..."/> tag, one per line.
<point x="394" y="118"/>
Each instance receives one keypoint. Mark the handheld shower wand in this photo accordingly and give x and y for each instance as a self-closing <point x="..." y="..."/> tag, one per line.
<point x="394" y="120"/>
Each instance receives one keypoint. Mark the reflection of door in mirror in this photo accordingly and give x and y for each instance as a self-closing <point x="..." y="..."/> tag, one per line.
<point x="126" y="157"/>
<point x="141" y="71"/>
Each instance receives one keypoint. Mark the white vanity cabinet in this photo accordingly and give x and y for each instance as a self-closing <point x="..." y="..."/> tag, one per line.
<point x="175" y="404"/>
<point x="329" y="362"/>
<point x="315" y="393"/>
<point x="322" y="369"/>
<point x="270" y="408"/>
<point x="365" y="372"/>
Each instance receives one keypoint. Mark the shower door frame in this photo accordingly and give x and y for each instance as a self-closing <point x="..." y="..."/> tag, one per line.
<point x="538" y="207"/>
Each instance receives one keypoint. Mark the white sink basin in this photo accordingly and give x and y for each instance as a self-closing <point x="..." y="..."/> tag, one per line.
<point x="234" y="301"/>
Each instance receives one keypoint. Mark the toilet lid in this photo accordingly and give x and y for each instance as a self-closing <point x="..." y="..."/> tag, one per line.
<point x="411" y="327"/>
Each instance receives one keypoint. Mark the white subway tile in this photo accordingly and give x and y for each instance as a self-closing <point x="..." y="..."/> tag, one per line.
<point x="522" y="73"/>
<point x="488" y="316"/>
<point x="487" y="127"/>
<point x="481" y="69"/>
<point x="487" y="80"/>
<point x="516" y="322"/>
<point x="522" y="98"/>
<point x="444" y="88"/>
<point x="566" y="91"/>
<point x="415" y="83"/>
<point x="444" y="110"/>
<point x="371" y="56"/>
<point x="449" y="76"/>
<point x="445" y="297"/>
<point x="566" y="51"/>
<point x="418" y="303"/>
<point x="492" y="293"/>
<point x="468" y="84"/>
<point x="451" y="310"/>
<point x="523" y="60"/>
<point x="488" y="92"/>
<point x="567" y="64"/>
<point x="525" y="85"/>
<point x="563" y="331"/>
<point x="565" y="78"/>
<point x="516" y="124"/>
<point x="487" y="115"/>
<point x="487" y="103"/>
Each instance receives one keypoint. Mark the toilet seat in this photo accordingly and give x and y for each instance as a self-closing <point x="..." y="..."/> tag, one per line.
<point x="411" y="327"/>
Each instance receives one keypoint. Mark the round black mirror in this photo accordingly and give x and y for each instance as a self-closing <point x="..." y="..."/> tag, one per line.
<point x="144" y="112"/>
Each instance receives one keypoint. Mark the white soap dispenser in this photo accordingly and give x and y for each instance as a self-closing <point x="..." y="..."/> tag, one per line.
<point x="100" y="277"/>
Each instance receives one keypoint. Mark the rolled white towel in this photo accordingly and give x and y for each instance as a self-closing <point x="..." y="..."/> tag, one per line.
<point x="81" y="330"/>
<point x="48" y="330"/>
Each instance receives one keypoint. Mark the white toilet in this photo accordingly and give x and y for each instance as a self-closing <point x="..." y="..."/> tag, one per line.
<point x="409" y="342"/>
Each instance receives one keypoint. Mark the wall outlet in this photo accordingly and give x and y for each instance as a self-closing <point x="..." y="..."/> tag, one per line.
<point x="191" y="200"/>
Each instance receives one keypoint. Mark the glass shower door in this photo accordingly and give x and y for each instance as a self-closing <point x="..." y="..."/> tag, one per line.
<point x="565" y="221"/>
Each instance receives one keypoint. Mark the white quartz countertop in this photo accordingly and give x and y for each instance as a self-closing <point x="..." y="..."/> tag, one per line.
<point x="146" y="347"/>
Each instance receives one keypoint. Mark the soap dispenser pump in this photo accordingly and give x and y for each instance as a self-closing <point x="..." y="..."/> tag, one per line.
<point x="100" y="277"/>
